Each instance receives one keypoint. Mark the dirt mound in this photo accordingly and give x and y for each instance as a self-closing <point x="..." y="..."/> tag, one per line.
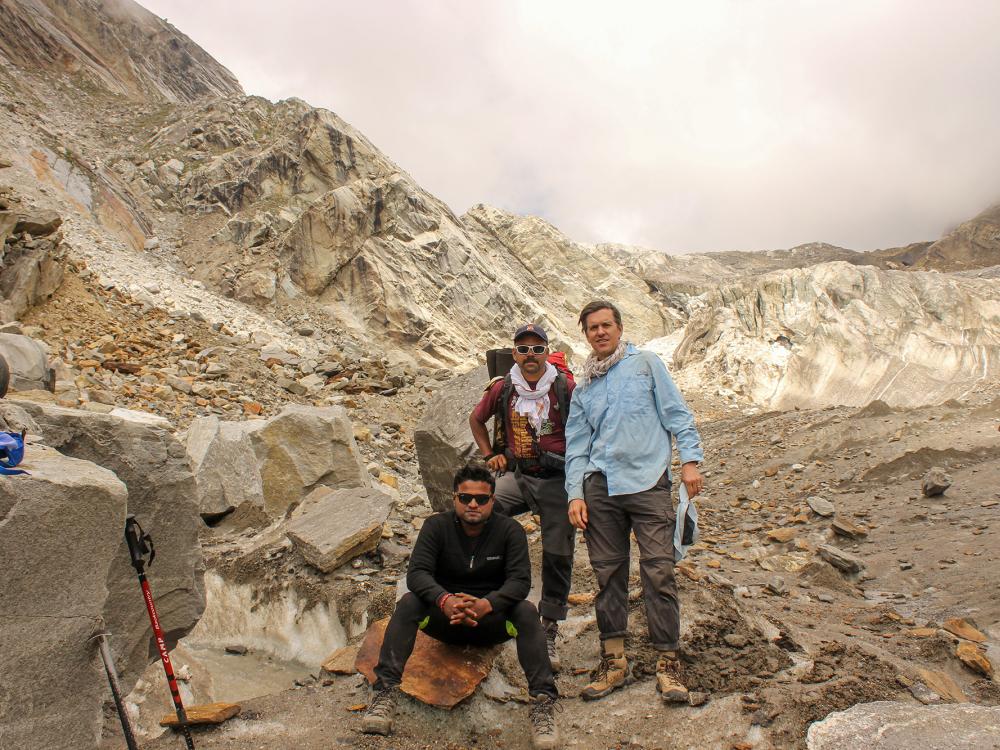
<point x="914" y="464"/>
<point x="876" y="408"/>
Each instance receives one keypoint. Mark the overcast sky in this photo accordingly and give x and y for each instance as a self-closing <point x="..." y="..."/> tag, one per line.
<point x="675" y="125"/>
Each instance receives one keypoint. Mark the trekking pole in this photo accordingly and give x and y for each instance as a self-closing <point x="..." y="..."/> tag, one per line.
<point x="116" y="691"/>
<point x="139" y="545"/>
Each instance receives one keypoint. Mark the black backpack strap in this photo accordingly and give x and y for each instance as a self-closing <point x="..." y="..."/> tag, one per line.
<point x="500" y="415"/>
<point x="561" y="385"/>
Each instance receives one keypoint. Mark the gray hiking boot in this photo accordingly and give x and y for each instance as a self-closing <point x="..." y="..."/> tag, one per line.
<point x="381" y="711"/>
<point x="551" y="628"/>
<point x="544" y="732"/>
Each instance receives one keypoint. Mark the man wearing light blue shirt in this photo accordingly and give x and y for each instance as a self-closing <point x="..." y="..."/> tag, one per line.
<point x="625" y="411"/>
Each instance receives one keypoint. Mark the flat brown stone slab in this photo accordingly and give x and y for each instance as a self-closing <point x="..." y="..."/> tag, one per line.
<point x="207" y="713"/>
<point x="943" y="685"/>
<point x="974" y="659"/>
<point x="341" y="661"/>
<point x="436" y="674"/>
<point x="961" y="628"/>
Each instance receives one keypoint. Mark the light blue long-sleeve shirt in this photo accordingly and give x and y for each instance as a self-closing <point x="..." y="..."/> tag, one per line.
<point x="621" y="425"/>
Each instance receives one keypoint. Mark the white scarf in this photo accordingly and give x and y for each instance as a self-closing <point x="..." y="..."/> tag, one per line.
<point x="533" y="403"/>
<point x="595" y="368"/>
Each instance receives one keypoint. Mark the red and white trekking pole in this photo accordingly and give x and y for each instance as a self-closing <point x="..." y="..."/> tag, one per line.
<point x="140" y="545"/>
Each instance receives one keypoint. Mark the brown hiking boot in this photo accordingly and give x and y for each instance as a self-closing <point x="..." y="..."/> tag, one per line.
<point x="551" y="629"/>
<point x="381" y="711"/>
<point x="544" y="732"/>
<point x="611" y="673"/>
<point x="668" y="679"/>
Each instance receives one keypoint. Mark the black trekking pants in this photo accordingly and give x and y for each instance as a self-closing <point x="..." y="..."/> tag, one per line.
<point x="521" y="492"/>
<point x="413" y="614"/>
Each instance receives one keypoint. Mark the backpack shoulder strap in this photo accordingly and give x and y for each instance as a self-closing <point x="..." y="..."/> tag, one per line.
<point x="562" y="396"/>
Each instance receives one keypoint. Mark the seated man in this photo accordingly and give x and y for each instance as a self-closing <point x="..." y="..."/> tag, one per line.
<point x="468" y="577"/>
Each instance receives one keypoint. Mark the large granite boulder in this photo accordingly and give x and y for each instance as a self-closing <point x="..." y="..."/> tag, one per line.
<point x="302" y="448"/>
<point x="332" y="526"/>
<point x="886" y="725"/>
<point x="224" y="465"/>
<point x="31" y="262"/>
<point x="59" y="539"/>
<point x="140" y="449"/>
<point x="28" y="361"/>
<point x="443" y="439"/>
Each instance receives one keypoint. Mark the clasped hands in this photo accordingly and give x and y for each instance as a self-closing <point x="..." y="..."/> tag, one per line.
<point x="465" y="609"/>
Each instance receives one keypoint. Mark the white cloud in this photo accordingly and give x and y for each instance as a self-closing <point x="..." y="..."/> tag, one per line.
<point x="677" y="125"/>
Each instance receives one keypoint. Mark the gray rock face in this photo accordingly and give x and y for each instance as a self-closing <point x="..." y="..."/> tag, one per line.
<point x="28" y="361"/>
<point x="443" y="439"/>
<point x="224" y="465"/>
<point x="59" y="539"/>
<point x="332" y="526"/>
<point x="119" y="46"/>
<point x="162" y="495"/>
<point x="302" y="448"/>
<point x="885" y="725"/>
<point x="935" y="483"/>
<point x="32" y="262"/>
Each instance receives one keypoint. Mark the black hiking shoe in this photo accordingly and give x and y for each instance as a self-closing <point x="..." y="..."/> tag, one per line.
<point x="551" y="633"/>
<point x="381" y="711"/>
<point x="544" y="732"/>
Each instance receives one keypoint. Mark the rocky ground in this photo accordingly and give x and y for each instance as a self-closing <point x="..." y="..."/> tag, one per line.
<point x="775" y="637"/>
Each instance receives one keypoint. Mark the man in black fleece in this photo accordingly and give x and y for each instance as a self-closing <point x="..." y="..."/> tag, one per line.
<point x="468" y="577"/>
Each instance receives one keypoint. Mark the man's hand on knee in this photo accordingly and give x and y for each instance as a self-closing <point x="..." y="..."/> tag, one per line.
<point x="578" y="513"/>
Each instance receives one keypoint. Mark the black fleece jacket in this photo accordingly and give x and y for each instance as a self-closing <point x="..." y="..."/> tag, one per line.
<point x="498" y="568"/>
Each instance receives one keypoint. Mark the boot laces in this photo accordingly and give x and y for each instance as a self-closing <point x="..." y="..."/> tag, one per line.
<point x="383" y="702"/>
<point x="602" y="669"/>
<point x="542" y="714"/>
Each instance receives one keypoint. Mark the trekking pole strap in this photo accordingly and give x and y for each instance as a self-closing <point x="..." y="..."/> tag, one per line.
<point x="139" y="544"/>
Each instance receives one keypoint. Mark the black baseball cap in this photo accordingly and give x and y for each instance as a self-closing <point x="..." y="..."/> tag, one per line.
<point x="531" y="329"/>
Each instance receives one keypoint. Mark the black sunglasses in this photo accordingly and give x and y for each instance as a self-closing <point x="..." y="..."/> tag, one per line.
<point x="466" y="497"/>
<point x="536" y="349"/>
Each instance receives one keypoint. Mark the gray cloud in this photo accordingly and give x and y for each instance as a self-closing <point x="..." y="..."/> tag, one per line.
<point x="679" y="126"/>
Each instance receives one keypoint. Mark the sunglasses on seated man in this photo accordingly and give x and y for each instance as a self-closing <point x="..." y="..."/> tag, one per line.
<point x="467" y="497"/>
<point x="525" y="349"/>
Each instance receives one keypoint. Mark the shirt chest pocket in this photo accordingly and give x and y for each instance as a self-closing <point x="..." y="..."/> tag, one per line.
<point x="637" y="394"/>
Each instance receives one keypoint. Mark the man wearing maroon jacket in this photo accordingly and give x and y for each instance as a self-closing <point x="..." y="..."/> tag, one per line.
<point x="530" y="470"/>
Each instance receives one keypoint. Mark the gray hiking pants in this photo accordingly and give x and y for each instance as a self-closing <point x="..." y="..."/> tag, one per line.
<point x="650" y="514"/>
<point x="545" y="496"/>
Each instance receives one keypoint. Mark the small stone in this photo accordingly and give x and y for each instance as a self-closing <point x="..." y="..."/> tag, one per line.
<point x="798" y="468"/>
<point x="697" y="698"/>
<point x="935" y="482"/>
<point x="820" y="506"/>
<point x="825" y="598"/>
<point x="840" y="559"/>
<point x="922" y="632"/>
<point x="237" y="649"/>
<point x="584" y="598"/>
<point x="847" y="529"/>
<point x="782" y="535"/>
<point x="777" y="585"/>
<point x="961" y="628"/>
<point x="390" y="480"/>
<point x="974" y="659"/>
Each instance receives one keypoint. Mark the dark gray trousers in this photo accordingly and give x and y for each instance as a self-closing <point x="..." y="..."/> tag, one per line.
<point x="650" y="514"/>
<point x="545" y="496"/>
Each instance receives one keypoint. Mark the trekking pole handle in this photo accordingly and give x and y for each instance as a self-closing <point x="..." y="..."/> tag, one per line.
<point x="139" y="544"/>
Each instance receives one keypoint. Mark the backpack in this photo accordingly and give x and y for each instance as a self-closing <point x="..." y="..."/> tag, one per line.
<point x="560" y="386"/>
<point x="11" y="452"/>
